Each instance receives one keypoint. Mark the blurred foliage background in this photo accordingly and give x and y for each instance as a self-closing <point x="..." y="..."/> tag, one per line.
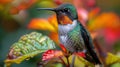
<point x="18" y="17"/>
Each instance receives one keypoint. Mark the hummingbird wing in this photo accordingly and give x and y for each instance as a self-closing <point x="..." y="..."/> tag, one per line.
<point x="89" y="45"/>
<point x="75" y="40"/>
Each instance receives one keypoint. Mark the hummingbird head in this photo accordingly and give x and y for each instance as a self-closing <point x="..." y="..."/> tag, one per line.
<point x="66" y="13"/>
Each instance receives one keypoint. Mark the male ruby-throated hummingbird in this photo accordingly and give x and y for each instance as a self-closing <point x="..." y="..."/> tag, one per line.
<point x="72" y="33"/>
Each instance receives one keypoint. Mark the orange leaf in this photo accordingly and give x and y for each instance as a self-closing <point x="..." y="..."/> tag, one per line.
<point x="14" y="10"/>
<point x="41" y="24"/>
<point x="93" y="13"/>
<point x="105" y="20"/>
<point x="54" y="36"/>
<point x="25" y="5"/>
<point x="53" y="21"/>
<point x="5" y="1"/>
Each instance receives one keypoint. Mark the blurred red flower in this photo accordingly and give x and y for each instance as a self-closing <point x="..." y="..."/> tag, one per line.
<point x="106" y="24"/>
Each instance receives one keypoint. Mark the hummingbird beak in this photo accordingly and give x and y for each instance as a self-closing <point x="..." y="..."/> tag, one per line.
<point x="51" y="9"/>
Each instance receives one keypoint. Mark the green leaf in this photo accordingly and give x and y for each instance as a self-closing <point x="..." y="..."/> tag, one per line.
<point x="28" y="46"/>
<point x="116" y="65"/>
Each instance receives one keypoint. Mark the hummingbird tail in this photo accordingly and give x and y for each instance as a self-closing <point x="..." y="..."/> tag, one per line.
<point x="94" y="58"/>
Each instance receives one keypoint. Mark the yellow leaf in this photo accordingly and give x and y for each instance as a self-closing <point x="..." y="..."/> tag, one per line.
<point x="8" y="62"/>
<point x="110" y="59"/>
<point x="85" y="62"/>
<point x="79" y="61"/>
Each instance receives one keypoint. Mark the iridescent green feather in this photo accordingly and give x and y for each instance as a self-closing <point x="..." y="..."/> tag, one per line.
<point x="75" y="33"/>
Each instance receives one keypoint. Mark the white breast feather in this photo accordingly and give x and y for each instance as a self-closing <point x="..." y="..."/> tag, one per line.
<point x="63" y="29"/>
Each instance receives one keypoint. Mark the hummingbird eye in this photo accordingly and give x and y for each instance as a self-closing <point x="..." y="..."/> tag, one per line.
<point x="66" y="10"/>
<point x="62" y="10"/>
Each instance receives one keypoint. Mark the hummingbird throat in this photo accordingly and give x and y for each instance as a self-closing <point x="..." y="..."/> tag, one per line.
<point x="63" y="19"/>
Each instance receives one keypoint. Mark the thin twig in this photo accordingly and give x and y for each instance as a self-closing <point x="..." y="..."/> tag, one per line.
<point x="73" y="61"/>
<point x="68" y="61"/>
<point x="62" y="61"/>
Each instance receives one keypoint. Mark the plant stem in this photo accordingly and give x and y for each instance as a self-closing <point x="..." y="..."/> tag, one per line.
<point x="68" y="61"/>
<point x="62" y="61"/>
<point x="73" y="60"/>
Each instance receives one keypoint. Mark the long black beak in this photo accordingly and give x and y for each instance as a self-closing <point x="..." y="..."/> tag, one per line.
<point x="51" y="9"/>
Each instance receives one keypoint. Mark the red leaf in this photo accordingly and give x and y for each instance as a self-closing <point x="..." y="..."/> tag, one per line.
<point x="58" y="2"/>
<point x="81" y="54"/>
<point x="63" y="48"/>
<point x="90" y="3"/>
<point x="14" y="10"/>
<point x="49" y="54"/>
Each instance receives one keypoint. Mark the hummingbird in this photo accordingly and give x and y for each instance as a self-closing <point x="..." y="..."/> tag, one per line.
<point x="72" y="34"/>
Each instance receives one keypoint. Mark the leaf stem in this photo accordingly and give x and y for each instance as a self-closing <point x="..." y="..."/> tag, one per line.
<point x="68" y="61"/>
<point x="62" y="61"/>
